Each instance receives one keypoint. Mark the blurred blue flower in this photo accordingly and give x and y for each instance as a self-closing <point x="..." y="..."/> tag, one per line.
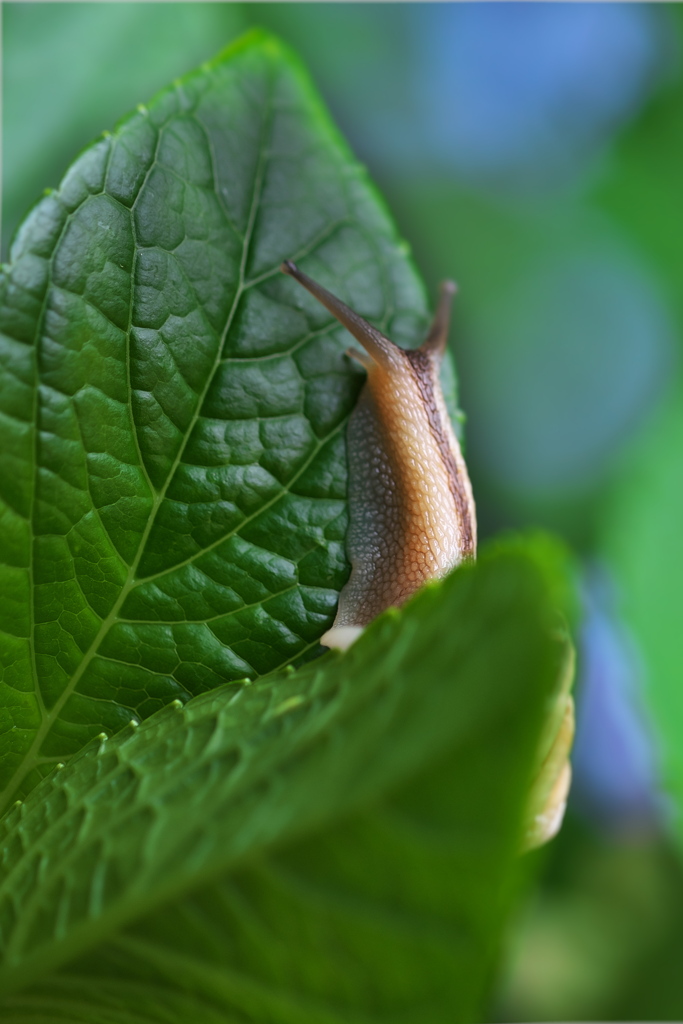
<point x="614" y="760"/>
<point x="521" y="95"/>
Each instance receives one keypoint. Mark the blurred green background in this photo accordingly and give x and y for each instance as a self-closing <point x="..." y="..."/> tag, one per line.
<point x="534" y="153"/>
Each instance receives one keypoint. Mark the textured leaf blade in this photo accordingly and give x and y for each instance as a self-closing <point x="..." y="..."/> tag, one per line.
<point x="173" y="455"/>
<point x="394" y="776"/>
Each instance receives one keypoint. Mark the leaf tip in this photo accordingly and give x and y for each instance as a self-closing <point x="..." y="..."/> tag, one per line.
<point x="254" y="38"/>
<point x="267" y="42"/>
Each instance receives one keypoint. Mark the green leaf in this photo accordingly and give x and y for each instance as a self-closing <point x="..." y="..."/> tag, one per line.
<point x="329" y="844"/>
<point x="172" y="408"/>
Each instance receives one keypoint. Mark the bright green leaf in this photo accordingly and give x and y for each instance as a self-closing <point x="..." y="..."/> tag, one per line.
<point x="323" y="845"/>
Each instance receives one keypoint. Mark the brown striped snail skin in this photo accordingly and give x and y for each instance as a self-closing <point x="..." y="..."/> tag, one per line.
<point x="412" y="514"/>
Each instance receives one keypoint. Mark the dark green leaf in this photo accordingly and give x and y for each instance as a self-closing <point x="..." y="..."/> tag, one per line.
<point x="172" y="408"/>
<point x="323" y="845"/>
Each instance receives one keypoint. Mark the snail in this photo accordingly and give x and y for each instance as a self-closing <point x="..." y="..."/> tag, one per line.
<point x="412" y="515"/>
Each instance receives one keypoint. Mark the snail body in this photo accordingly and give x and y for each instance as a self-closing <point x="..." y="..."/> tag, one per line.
<point x="412" y="515"/>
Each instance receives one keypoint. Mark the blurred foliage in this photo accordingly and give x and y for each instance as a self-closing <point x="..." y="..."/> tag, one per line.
<point x="643" y="541"/>
<point x="601" y="940"/>
<point x="555" y="203"/>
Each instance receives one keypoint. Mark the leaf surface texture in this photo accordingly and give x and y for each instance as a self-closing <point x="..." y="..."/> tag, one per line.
<point x="172" y="410"/>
